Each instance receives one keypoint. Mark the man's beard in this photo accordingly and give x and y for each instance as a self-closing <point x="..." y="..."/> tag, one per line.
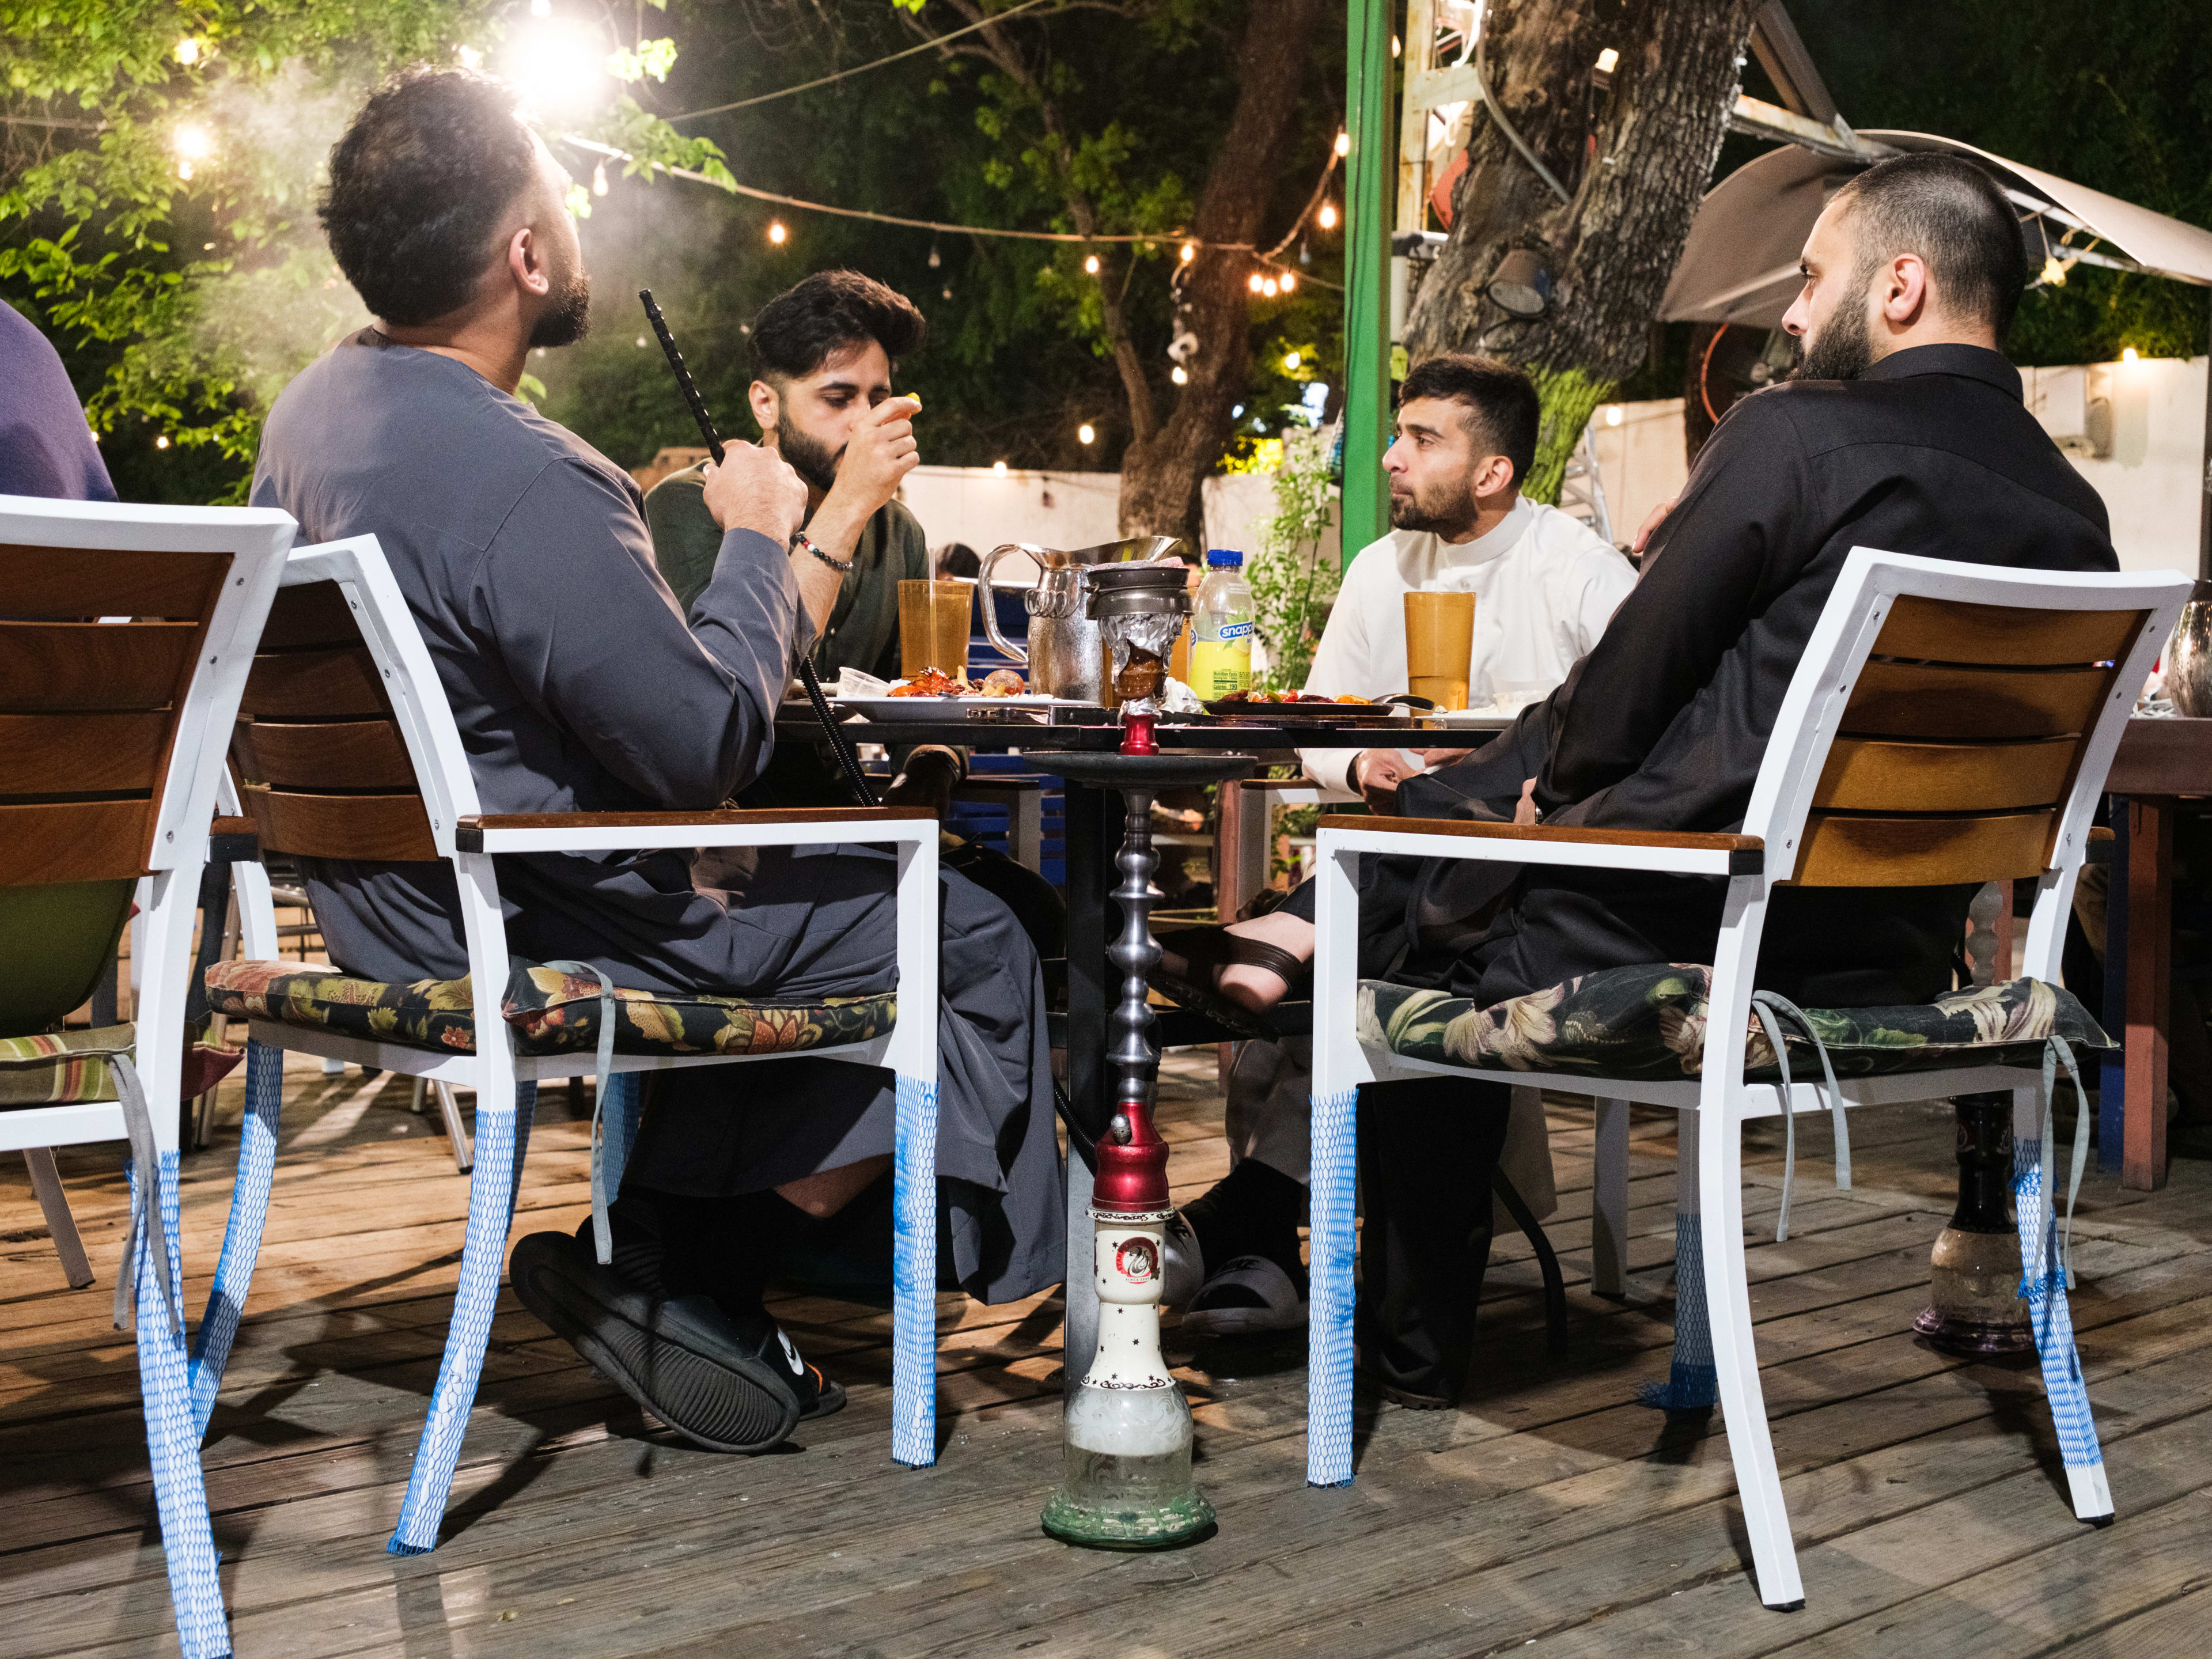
<point x="568" y="318"/>
<point x="1454" y="515"/>
<point x="809" y="457"/>
<point x="1843" y="350"/>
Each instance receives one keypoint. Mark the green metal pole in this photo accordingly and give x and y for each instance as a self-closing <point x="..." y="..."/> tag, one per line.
<point x="1367" y="214"/>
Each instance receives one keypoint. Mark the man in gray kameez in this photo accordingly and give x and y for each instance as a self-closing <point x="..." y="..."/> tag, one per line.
<point x="578" y="686"/>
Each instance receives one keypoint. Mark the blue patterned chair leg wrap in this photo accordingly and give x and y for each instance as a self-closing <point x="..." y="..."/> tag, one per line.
<point x="492" y="1187"/>
<point x="173" y="1441"/>
<point x="914" y="1275"/>
<point x="1691" y="1383"/>
<point x="2043" y="1287"/>
<point x="1328" y="1363"/>
<point x="241" y="1239"/>
<point x="525" y="1118"/>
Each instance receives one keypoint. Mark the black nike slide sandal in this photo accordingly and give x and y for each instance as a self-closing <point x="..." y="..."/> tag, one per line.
<point x="679" y="1357"/>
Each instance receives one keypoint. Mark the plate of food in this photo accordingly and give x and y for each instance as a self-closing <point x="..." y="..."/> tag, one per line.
<point x="933" y="696"/>
<point x="1304" y="708"/>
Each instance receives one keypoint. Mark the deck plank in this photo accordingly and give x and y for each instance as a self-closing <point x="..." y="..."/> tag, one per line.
<point x="1548" y="1509"/>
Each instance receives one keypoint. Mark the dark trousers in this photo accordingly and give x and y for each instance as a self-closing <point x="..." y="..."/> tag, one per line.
<point x="1427" y="1149"/>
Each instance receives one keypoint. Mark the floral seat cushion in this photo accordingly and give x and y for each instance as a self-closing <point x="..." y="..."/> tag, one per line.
<point x="1648" y="1024"/>
<point x="553" y="1012"/>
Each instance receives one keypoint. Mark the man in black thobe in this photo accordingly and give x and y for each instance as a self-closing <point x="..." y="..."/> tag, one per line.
<point x="1903" y="430"/>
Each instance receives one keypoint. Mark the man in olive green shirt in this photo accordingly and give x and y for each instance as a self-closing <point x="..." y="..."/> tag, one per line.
<point x="823" y="356"/>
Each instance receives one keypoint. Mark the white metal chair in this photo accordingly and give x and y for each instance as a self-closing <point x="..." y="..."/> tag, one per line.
<point x="351" y="751"/>
<point x="130" y="632"/>
<point x="1948" y="723"/>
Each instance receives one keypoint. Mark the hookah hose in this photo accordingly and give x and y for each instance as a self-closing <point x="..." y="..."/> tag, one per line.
<point x="848" y="763"/>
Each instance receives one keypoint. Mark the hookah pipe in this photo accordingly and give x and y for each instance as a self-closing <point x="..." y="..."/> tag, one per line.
<point x="848" y="763"/>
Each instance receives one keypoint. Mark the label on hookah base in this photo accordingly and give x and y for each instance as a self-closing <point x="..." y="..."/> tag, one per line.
<point x="1137" y="1260"/>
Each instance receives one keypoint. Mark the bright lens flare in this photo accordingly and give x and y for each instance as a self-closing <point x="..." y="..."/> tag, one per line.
<point x="776" y="232"/>
<point x="558" y="66"/>
<point x="1085" y="433"/>
<point x="1328" y="216"/>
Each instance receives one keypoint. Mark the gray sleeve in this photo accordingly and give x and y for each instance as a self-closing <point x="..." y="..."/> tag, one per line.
<point x="567" y="596"/>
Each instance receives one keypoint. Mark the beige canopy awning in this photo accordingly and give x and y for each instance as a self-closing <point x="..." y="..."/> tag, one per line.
<point x="1740" y="264"/>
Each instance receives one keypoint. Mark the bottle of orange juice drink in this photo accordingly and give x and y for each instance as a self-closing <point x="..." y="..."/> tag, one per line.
<point x="1221" y="629"/>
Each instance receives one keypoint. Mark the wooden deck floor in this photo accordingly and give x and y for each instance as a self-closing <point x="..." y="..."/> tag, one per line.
<point x="1548" y="1515"/>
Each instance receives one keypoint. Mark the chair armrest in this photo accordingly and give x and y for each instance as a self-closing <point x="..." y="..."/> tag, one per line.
<point x="1670" y="851"/>
<point x="608" y="832"/>
<point x="233" y="841"/>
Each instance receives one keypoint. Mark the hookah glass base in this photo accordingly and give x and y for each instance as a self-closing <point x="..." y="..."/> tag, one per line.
<point x="1140" y="1494"/>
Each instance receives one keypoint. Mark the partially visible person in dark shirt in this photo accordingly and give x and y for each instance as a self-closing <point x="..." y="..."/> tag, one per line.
<point x="45" y="446"/>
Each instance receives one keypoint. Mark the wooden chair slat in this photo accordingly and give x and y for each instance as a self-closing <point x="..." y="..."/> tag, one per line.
<point x="313" y="614"/>
<point x="377" y="827"/>
<point x="1868" y="774"/>
<point x="93" y="665"/>
<point x="1919" y="700"/>
<point x="81" y="583"/>
<point x="340" y="684"/>
<point x="1842" y="850"/>
<point x="335" y="755"/>
<point x="79" y="754"/>
<point x="44" y="843"/>
<point x="1945" y="630"/>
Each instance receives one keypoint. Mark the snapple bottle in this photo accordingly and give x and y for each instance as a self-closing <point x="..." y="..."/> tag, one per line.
<point x="1221" y="630"/>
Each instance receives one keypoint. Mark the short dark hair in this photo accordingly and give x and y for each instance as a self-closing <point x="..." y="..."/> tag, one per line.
<point x="796" y="330"/>
<point x="419" y="184"/>
<point x="1948" y="209"/>
<point x="1502" y="409"/>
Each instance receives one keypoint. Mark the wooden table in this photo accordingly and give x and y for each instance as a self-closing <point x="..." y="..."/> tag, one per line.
<point x="2161" y="762"/>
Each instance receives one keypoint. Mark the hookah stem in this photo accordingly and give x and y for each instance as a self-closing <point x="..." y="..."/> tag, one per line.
<point x="847" y="763"/>
<point x="1132" y="1055"/>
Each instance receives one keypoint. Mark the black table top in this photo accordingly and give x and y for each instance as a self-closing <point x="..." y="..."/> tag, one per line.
<point x="1037" y="739"/>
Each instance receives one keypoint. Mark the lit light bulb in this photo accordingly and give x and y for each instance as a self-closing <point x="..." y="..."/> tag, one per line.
<point x="161" y="442"/>
<point x="1613" y="416"/>
<point x="1606" y="61"/>
<point x="193" y="144"/>
<point x="776" y="232"/>
<point x="1091" y="265"/>
<point x="1189" y="252"/>
<point x="191" y="50"/>
<point x="2128" y="354"/>
<point x="934" y="258"/>
<point x="599" y="179"/>
<point x="641" y="343"/>
<point x="557" y="66"/>
<point x="998" y="469"/>
<point x="2054" y="273"/>
<point x="1291" y="362"/>
<point x="1237" y="413"/>
<point x="1256" y="282"/>
<point x="1290" y="281"/>
<point x="1085" y="432"/>
<point x="1395" y="48"/>
<point x="1179" y="375"/>
<point x="1270" y="287"/>
<point x="1344" y="144"/>
<point x="1328" y="216"/>
<point x="468" y="58"/>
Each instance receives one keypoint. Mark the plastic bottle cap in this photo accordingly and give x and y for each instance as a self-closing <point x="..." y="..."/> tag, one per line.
<point x="1223" y="555"/>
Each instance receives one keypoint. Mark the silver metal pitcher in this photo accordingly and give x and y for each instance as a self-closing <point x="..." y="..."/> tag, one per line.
<point x="1065" y="655"/>
<point x="2189" y="657"/>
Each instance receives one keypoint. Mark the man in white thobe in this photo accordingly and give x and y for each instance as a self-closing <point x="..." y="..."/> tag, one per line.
<point x="1544" y="587"/>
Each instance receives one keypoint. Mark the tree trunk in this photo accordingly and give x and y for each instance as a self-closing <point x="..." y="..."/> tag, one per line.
<point x="1163" y="472"/>
<point x="1635" y="189"/>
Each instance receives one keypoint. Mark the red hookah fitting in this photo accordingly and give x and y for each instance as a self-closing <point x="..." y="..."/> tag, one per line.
<point x="1133" y="1175"/>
